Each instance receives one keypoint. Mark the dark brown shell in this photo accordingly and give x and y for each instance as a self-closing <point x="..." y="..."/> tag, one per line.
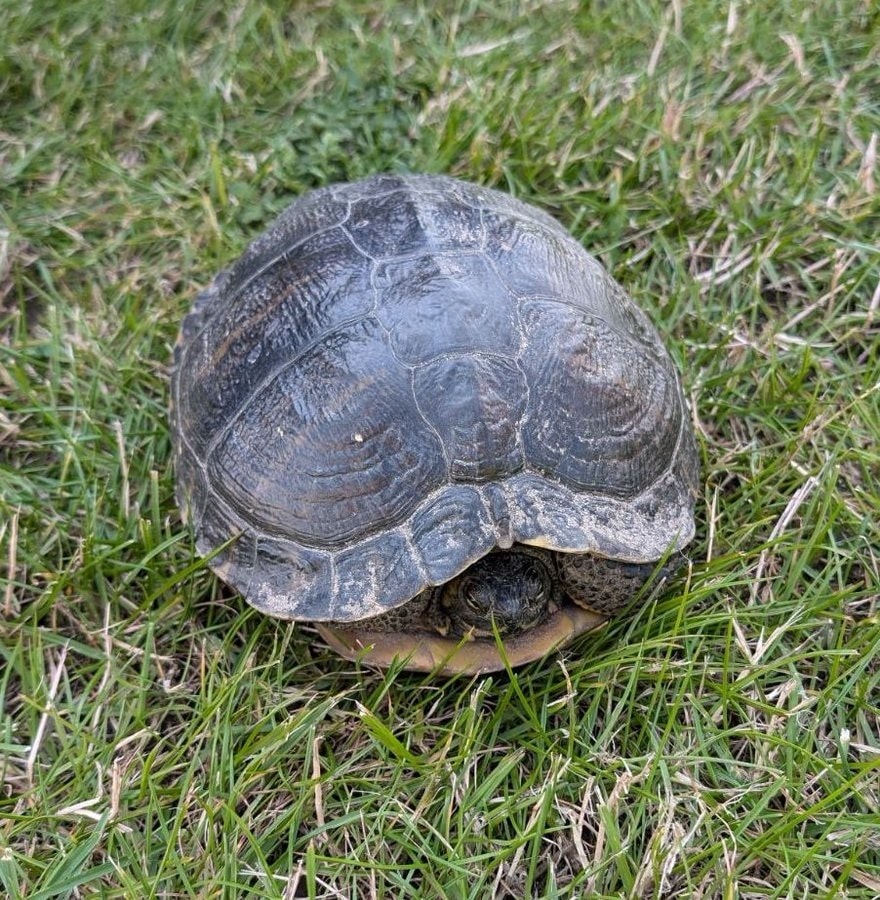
<point x="402" y="374"/>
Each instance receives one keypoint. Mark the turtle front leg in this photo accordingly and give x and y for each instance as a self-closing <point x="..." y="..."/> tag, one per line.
<point x="603" y="585"/>
<point x="424" y="613"/>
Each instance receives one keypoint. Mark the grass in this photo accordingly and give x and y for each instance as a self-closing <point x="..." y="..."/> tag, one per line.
<point x="723" y="741"/>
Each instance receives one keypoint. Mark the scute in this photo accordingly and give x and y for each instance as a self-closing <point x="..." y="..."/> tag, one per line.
<point x="474" y="404"/>
<point x="437" y="305"/>
<point x="305" y="218"/>
<point x="450" y="529"/>
<point x="616" y="432"/>
<point x="279" y="570"/>
<point x="640" y="529"/>
<point x="368" y="573"/>
<point x="333" y="448"/>
<point x="320" y="285"/>
<point x="414" y="223"/>
<point x="535" y="260"/>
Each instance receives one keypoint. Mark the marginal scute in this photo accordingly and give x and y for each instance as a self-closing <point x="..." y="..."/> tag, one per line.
<point x="496" y="206"/>
<point x="685" y="470"/>
<point x="367" y="188"/>
<point x="642" y="529"/>
<point x="223" y="536"/>
<point x="373" y="576"/>
<point x="501" y="514"/>
<point x="289" y="581"/>
<point x="450" y="531"/>
<point x="206" y="304"/>
<point x="192" y="487"/>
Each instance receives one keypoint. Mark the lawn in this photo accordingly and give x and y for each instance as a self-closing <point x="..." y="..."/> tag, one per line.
<point x="722" y="740"/>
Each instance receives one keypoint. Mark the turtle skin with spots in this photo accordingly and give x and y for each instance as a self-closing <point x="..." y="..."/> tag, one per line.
<point x="418" y="414"/>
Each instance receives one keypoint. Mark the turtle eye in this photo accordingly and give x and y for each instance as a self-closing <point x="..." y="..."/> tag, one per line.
<point x="472" y="601"/>
<point x="534" y="577"/>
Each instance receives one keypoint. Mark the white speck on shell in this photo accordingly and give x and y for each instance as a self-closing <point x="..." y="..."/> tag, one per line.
<point x="357" y="437"/>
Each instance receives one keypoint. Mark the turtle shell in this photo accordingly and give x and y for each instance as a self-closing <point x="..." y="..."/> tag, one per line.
<point x="404" y="373"/>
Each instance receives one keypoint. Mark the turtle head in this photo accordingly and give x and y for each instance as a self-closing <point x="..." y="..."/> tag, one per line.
<point x="508" y="590"/>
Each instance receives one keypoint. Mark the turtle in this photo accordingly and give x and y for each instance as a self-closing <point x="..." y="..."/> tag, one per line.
<point x="419" y="415"/>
